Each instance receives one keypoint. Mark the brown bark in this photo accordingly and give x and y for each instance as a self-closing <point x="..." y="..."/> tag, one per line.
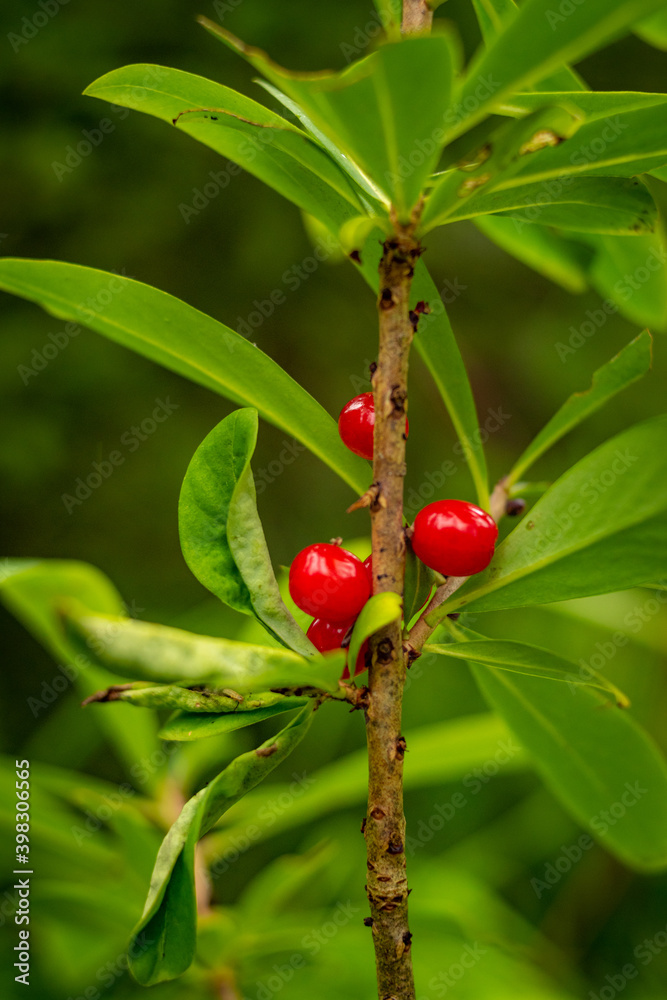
<point x="387" y="886"/>
<point x="417" y="16"/>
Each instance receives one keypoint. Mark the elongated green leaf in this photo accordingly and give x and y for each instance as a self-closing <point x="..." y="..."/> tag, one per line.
<point x="197" y="725"/>
<point x="165" y="938"/>
<point x="558" y="259"/>
<point x="631" y="275"/>
<point x="530" y="661"/>
<point x="600" y="528"/>
<point x="181" y="338"/>
<point x="619" y="145"/>
<point x="499" y="158"/>
<point x="349" y="166"/>
<point x="447" y="751"/>
<point x="144" y="651"/>
<point x="654" y="29"/>
<point x="592" y="104"/>
<point x="33" y="591"/>
<point x="188" y="700"/>
<point x="493" y="15"/>
<point x="250" y="135"/>
<point x="535" y="42"/>
<point x="623" y="369"/>
<point x="436" y="343"/>
<point x="368" y="109"/>
<point x="221" y="534"/>
<point x="378" y="611"/>
<point x="602" y="766"/>
<point x="611" y="205"/>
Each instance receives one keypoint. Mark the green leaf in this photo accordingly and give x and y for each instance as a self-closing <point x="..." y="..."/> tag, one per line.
<point x="145" y="651"/>
<point x="592" y="104"/>
<point x="221" y="534"/>
<point x="378" y="611"/>
<point x="535" y="42"/>
<point x="368" y="110"/>
<point x="653" y="29"/>
<point x="246" y="132"/>
<point x="493" y="15"/>
<point x="390" y="16"/>
<point x="560" y="260"/>
<point x="34" y="591"/>
<point x="527" y="660"/>
<point x="198" y="725"/>
<point x="166" y="330"/>
<point x="631" y="274"/>
<point x="600" y="528"/>
<point x="623" y="369"/>
<point x="611" y="205"/>
<point x="188" y="700"/>
<point x="436" y="344"/>
<point x="590" y="755"/>
<point x="622" y="145"/>
<point x="488" y="166"/>
<point x="164" y="941"/>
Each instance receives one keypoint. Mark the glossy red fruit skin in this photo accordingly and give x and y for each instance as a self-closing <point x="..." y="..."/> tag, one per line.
<point x="329" y="582"/>
<point x="454" y="537"/>
<point x="368" y="564"/>
<point x="326" y="636"/>
<point x="356" y="423"/>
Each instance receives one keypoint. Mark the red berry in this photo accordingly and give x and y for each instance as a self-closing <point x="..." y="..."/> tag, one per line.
<point x="326" y="636"/>
<point x="356" y="423"/>
<point x="454" y="537"/>
<point x="368" y="563"/>
<point x="329" y="582"/>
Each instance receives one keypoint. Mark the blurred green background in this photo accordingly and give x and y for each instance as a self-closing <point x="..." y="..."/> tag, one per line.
<point x="126" y="206"/>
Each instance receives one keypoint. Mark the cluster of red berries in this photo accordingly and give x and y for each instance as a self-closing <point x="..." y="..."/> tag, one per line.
<point x="453" y="537"/>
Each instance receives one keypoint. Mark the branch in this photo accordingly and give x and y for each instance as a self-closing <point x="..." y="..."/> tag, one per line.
<point x="417" y="16"/>
<point x="387" y="887"/>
